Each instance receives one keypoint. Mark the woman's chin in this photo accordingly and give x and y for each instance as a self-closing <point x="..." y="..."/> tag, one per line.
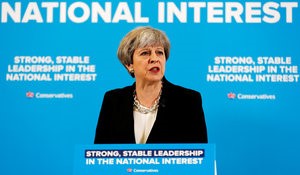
<point x="155" y="78"/>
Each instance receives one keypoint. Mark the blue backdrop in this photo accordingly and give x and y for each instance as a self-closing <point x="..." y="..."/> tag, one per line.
<point x="254" y="124"/>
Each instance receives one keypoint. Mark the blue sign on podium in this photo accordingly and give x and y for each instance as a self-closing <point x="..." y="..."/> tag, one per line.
<point x="158" y="159"/>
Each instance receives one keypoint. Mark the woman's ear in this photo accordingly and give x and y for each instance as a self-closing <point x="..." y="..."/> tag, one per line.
<point x="130" y="68"/>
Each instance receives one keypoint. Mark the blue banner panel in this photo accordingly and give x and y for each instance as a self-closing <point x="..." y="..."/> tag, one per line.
<point x="159" y="159"/>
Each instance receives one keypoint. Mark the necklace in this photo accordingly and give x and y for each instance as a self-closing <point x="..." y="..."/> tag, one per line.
<point x="143" y="109"/>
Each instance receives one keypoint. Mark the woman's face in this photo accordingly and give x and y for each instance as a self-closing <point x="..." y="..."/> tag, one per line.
<point x="149" y="64"/>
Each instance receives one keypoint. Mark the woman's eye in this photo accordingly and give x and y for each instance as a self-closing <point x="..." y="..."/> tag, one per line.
<point x="160" y="52"/>
<point x="144" y="53"/>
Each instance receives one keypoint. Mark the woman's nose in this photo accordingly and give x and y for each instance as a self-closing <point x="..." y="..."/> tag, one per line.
<point x="153" y="59"/>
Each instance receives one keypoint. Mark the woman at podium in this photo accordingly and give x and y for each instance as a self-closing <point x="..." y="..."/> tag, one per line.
<point x="152" y="109"/>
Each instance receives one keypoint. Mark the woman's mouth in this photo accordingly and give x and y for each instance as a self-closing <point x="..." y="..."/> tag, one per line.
<point x="154" y="69"/>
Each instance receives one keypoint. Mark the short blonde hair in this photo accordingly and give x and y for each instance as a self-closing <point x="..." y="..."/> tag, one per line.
<point x="141" y="37"/>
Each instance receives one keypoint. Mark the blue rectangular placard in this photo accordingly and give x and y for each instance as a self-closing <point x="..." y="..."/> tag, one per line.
<point x="158" y="159"/>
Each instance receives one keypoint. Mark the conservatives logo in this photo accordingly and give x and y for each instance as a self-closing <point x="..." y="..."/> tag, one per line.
<point x="241" y="96"/>
<point x="231" y="95"/>
<point x="130" y="170"/>
<point x="30" y="94"/>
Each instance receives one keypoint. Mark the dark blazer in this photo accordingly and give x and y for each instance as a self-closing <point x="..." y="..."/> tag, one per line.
<point x="180" y="117"/>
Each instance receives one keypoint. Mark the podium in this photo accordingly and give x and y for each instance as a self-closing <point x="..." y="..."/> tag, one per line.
<point x="151" y="159"/>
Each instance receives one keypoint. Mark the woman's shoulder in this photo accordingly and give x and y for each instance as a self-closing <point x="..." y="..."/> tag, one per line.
<point x="119" y="92"/>
<point x="179" y="96"/>
<point x="179" y="90"/>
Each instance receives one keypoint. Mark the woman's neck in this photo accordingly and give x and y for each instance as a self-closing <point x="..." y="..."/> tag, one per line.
<point x="147" y="93"/>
